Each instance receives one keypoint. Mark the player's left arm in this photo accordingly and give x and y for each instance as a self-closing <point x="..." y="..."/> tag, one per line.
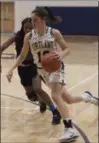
<point x="62" y="43"/>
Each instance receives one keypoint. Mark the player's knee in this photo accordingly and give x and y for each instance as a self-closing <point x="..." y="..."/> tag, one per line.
<point x="67" y="100"/>
<point x="38" y="90"/>
<point x="32" y="96"/>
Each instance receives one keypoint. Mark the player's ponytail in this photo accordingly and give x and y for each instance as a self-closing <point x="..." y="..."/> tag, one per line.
<point x="47" y="14"/>
<point x="52" y="18"/>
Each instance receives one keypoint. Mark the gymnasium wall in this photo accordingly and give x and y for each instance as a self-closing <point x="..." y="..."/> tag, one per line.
<point x="78" y="20"/>
<point x="79" y="17"/>
<point x="7" y="17"/>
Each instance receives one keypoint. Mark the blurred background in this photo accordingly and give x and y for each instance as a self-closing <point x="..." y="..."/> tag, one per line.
<point x="79" y="17"/>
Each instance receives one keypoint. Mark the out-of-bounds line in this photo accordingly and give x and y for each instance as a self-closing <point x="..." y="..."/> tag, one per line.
<point x="15" y="108"/>
<point x="85" y="138"/>
<point x="35" y="103"/>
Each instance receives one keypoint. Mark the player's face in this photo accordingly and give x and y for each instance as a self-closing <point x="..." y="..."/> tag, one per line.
<point x="37" y="21"/>
<point x="27" y="27"/>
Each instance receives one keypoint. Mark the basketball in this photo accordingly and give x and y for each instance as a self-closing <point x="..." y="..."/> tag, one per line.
<point x="50" y="63"/>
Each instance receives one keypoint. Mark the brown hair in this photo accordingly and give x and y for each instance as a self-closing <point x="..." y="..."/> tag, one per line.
<point x="46" y="13"/>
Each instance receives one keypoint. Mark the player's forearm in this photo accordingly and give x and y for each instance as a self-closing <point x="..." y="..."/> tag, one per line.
<point x="19" y="60"/>
<point x="6" y="44"/>
<point x="64" y="53"/>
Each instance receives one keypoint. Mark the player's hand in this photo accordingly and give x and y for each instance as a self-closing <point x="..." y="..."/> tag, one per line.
<point x="56" y="55"/>
<point x="9" y="75"/>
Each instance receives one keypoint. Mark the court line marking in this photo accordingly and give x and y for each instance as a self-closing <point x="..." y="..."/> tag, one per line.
<point x="83" y="81"/>
<point x="85" y="138"/>
<point x="15" y="108"/>
<point x="83" y="135"/>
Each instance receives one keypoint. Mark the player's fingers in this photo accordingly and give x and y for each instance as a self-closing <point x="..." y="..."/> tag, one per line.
<point x="57" y="56"/>
<point x="9" y="77"/>
<point x="54" y="52"/>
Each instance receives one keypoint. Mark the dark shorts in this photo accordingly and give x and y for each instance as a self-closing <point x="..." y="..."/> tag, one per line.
<point x="26" y="74"/>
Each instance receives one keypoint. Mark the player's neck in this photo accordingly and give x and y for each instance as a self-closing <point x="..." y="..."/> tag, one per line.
<point x="42" y="30"/>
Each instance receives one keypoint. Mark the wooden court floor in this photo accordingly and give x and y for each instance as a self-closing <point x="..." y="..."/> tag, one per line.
<point x="21" y="121"/>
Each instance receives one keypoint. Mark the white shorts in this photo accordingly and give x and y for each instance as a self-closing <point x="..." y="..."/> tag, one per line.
<point x="58" y="76"/>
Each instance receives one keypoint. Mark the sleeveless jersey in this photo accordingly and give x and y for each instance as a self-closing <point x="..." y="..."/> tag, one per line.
<point x="41" y="45"/>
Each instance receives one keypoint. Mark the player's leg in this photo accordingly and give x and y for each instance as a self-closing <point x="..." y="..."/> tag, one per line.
<point x="57" y="85"/>
<point x="31" y="71"/>
<point x="27" y="82"/>
<point x="70" y="134"/>
<point x="37" y="86"/>
<point x="87" y="97"/>
<point x="61" y="94"/>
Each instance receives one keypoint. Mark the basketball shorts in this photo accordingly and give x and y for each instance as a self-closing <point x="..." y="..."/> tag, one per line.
<point x="27" y="74"/>
<point x="58" y="76"/>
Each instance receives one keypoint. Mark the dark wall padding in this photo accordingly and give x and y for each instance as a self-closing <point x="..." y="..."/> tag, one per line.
<point x="77" y="20"/>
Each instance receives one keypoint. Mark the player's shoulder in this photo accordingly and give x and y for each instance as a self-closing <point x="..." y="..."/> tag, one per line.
<point x="56" y="33"/>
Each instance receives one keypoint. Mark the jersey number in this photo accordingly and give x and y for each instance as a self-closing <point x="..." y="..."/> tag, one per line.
<point x="39" y="55"/>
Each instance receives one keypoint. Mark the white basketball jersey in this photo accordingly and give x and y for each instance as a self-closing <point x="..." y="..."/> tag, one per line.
<point x="41" y="44"/>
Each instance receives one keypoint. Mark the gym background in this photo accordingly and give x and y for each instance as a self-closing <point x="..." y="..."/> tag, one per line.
<point x="79" y="17"/>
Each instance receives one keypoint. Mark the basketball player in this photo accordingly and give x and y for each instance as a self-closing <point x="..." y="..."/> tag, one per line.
<point x="43" y="39"/>
<point x="27" y="71"/>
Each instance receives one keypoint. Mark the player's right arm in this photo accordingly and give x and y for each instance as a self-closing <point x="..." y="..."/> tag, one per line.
<point x="21" y="57"/>
<point x="7" y="43"/>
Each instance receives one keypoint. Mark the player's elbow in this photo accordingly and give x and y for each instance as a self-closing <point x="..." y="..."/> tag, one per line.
<point x="66" y="50"/>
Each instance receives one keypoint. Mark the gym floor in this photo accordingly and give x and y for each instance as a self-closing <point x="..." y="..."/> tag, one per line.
<point x="21" y="121"/>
